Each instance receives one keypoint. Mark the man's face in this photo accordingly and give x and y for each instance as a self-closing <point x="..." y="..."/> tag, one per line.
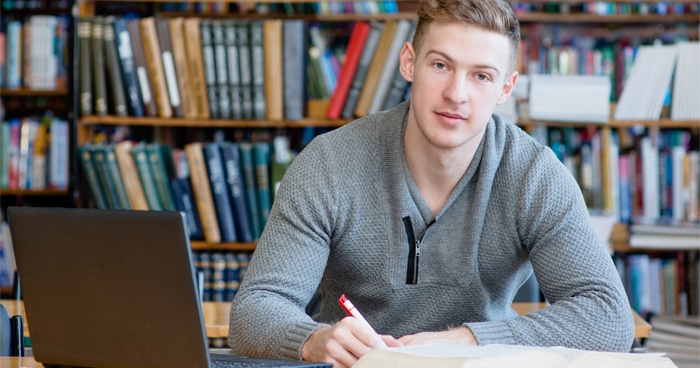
<point x="460" y="75"/>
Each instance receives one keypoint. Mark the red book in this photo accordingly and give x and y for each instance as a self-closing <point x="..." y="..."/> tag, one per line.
<point x="347" y="71"/>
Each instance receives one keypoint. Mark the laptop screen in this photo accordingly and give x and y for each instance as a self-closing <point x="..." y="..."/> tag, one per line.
<point x="108" y="288"/>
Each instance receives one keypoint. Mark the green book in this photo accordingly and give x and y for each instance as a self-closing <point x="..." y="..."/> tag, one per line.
<point x="85" y="158"/>
<point x="161" y="174"/>
<point x="261" y="159"/>
<point x="146" y="175"/>
<point x="108" y="187"/>
<point x="115" y="176"/>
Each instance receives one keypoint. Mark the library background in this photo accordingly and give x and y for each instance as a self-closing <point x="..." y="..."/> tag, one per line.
<point x="199" y="106"/>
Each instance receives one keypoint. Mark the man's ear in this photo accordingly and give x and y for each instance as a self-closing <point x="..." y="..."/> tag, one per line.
<point x="508" y="87"/>
<point x="407" y="60"/>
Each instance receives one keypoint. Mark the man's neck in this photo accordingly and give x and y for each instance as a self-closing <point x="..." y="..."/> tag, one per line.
<point x="436" y="171"/>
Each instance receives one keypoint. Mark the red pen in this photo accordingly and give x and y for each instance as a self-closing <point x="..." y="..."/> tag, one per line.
<point x="352" y="311"/>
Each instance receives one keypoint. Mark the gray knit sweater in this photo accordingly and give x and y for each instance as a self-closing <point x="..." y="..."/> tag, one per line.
<point x="339" y="220"/>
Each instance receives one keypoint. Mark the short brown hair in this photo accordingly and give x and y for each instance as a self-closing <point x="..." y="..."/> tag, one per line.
<point x="491" y="15"/>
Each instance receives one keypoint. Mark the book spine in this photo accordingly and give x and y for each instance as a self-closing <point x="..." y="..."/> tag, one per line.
<point x="399" y="84"/>
<point x="152" y="54"/>
<point x="294" y="54"/>
<point x="177" y="38"/>
<point x="85" y="158"/>
<point x="261" y="160"/>
<point x="128" y="68"/>
<point x="85" y="65"/>
<point x="257" y="60"/>
<point x="374" y="70"/>
<point x="230" y="155"/>
<point x="108" y="187"/>
<point x="130" y="175"/>
<point x="274" y="75"/>
<point x="233" y="70"/>
<point x="221" y="69"/>
<point x="217" y="181"/>
<point x="141" y="67"/>
<point x="209" y="68"/>
<point x="184" y="200"/>
<point x="365" y="59"/>
<point x="98" y="66"/>
<point x="161" y="174"/>
<point x="391" y="65"/>
<point x="195" y="65"/>
<point x="114" y="75"/>
<point x="148" y="183"/>
<point x="202" y="192"/>
<point x="251" y="190"/>
<point x="244" y="61"/>
<point x="168" y="65"/>
<point x="115" y="177"/>
<point x="347" y="72"/>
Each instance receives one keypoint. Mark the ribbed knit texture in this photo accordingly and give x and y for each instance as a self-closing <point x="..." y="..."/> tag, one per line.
<point x="516" y="209"/>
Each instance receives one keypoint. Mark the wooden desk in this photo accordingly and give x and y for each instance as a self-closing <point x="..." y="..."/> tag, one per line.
<point x="216" y="317"/>
<point x="15" y="362"/>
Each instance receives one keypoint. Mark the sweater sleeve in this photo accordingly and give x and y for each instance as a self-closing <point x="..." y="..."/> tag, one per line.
<point x="268" y="314"/>
<point x="589" y="308"/>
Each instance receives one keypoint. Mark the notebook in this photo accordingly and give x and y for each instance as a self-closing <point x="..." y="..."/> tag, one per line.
<point x="113" y="288"/>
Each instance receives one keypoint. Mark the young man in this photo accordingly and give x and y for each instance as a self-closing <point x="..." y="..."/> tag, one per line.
<point x="429" y="217"/>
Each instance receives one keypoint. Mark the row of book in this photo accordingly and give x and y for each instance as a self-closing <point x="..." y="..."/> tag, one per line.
<point x="192" y="68"/>
<point x="608" y="7"/>
<point x="237" y="69"/>
<point x="34" y="52"/>
<point x="319" y="7"/>
<point x="220" y="273"/>
<point x="634" y="177"/>
<point x="10" y="5"/>
<point x="369" y="79"/>
<point x="661" y="284"/>
<point x="34" y="153"/>
<point x="225" y="189"/>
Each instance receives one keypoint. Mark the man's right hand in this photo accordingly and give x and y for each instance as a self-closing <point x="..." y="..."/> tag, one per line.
<point x="343" y="343"/>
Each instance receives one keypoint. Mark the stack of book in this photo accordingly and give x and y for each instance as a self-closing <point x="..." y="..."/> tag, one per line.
<point x="678" y="337"/>
<point x="660" y="236"/>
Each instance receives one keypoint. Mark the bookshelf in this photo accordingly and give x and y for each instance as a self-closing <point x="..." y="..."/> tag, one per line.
<point x="36" y="112"/>
<point x="619" y="24"/>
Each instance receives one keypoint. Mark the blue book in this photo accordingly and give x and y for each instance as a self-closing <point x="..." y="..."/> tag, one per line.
<point x="232" y="276"/>
<point x="236" y="188"/>
<point x="128" y="68"/>
<point x="219" y="192"/>
<point x="184" y="200"/>
<point x="246" y="150"/>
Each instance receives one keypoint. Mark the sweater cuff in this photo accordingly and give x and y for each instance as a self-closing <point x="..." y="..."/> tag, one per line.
<point x="296" y="336"/>
<point x="495" y="332"/>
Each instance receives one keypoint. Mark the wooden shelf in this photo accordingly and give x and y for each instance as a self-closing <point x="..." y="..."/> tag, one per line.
<point x="612" y="18"/>
<point x="348" y="17"/>
<point x="619" y="240"/>
<point x="212" y="123"/>
<point x="26" y="192"/>
<point x="662" y="123"/>
<point x="26" y="92"/>
<point x="202" y="245"/>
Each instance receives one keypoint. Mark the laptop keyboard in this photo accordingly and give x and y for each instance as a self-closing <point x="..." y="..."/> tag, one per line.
<point x="224" y="364"/>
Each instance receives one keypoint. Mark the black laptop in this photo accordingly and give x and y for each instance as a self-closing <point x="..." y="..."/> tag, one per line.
<point x="114" y="288"/>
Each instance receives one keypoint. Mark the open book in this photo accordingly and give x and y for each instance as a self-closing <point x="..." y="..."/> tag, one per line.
<point x="506" y="356"/>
